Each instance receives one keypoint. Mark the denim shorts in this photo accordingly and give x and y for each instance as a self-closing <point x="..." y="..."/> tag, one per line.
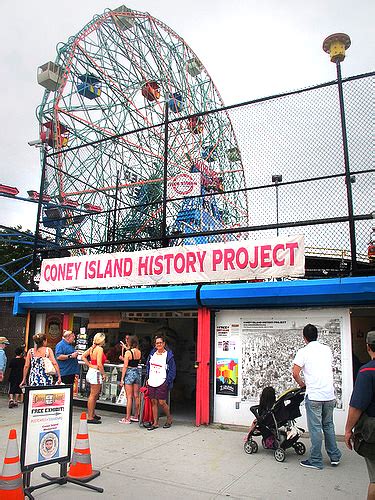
<point x="132" y="376"/>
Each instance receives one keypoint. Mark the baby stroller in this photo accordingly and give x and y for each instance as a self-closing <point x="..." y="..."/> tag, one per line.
<point x="277" y="426"/>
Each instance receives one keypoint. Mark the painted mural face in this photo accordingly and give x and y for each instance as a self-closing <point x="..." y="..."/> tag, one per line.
<point x="54" y="331"/>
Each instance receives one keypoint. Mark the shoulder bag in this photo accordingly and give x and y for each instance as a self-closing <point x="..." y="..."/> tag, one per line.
<point x="364" y="436"/>
<point x="48" y="365"/>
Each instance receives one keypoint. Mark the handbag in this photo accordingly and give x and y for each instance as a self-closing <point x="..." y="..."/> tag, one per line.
<point x="364" y="436"/>
<point x="48" y="365"/>
<point x="121" y="398"/>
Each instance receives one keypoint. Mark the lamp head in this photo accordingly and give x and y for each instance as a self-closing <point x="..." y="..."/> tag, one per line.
<point x="335" y="45"/>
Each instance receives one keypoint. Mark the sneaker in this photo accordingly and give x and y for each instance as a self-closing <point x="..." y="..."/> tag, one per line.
<point x="97" y="417"/>
<point x="124" y="421"/>
<point x="335" y="463"/>
<point x="307" y="463"/>
<point x="11" y="403"/>
<point x="134" y="419"/>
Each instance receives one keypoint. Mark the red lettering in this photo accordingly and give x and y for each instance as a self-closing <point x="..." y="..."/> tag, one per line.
<point x="228" y="258"/>
<point x="69" y="269"/>
<point x="128" y="266"/>
<point x="77" y="265"/>
<point x="53" y="272"/>
<point x="108" y="269"/>
<point x="275" y="257"/>
<point x="179" y="268"/>
<point x="168" y="257"/>
<point x="255" y="262"/>
<point x="292" y="247"/>
<point x="142" y="265"/>
<point x="158" y="264"/>
<point x="46" y="270"/>
<point x="217" y="257"/>
<point x="117" y="271"/>
<point x="201" y="256"/>
<point x="265" y="256"/>
<point x="98" y="273"/>
<point x="190" y="262"/>
<point x="60" y="272"/>
<point x="245" y="258"/>
<point x="91" y="270"/>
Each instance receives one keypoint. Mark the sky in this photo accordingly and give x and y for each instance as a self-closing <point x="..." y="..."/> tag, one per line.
<point x="250" y="48"/>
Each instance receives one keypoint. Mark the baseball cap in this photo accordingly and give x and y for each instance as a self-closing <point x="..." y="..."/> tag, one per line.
<point x="4" y="340"/>
<point x="370" y="339"/>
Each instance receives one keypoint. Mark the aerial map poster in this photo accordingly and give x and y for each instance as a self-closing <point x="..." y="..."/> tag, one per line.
<point x="269" y="347"/>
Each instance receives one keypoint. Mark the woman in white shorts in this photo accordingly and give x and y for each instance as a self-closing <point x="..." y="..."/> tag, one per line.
<point x="95" y="375"/>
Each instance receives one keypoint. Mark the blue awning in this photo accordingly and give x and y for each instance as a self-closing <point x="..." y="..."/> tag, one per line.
<point x="126" y="299"/>
<point x="300" y="293"/>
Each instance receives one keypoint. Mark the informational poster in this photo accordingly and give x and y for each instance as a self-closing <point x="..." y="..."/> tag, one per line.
<point x="47" y="426"/>
<point x="227" y="376"/>
<point x="269" y="346"/>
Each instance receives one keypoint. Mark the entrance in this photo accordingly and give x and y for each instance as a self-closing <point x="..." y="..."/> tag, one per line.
<point x="180" y="330"/>
<point x="362" y="321"/>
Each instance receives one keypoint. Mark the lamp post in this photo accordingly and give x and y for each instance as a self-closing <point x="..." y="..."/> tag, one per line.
<point x="39" y="210"/>
<point x="335" y="45"/>
<point x="276" y="179"/>
<point x="164" y="239"/>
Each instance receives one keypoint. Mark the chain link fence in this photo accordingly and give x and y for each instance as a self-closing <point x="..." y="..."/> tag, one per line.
<point x="273" y="166"/>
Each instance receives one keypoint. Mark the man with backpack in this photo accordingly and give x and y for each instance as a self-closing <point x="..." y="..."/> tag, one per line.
<point x="361" y="415"/>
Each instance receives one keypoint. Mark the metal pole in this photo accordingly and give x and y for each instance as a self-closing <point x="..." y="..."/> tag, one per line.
<point x="353" y="246"/>
<point x="277" y="208"/>
<point x="39" y="211"/>
<point x="115" y="210"/>
<point x="164" y="239"/>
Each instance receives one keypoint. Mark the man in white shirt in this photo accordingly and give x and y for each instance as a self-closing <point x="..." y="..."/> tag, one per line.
<point x="315" y="361"/>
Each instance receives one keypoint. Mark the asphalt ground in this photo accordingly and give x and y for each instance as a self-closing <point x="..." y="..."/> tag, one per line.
<point x="186" y="462"/>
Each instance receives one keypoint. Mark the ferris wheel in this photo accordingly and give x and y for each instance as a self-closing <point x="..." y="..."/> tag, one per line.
<point x="118" y="79"/>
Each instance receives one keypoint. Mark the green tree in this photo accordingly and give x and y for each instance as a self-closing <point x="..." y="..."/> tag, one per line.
<point x="16" y="248"/>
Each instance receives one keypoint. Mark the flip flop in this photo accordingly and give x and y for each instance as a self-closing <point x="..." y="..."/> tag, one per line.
<point x="167" y="425"/>
<point x="152" y="427"/>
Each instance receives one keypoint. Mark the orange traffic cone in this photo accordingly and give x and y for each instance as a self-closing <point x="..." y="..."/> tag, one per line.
<point x="80" y="464"/>
<point x="11" y="479"/>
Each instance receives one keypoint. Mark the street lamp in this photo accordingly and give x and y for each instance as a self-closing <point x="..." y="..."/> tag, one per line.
<point x="276" y="179"/>
<point x="39" y="144"/>
<point x="335" y="45"/>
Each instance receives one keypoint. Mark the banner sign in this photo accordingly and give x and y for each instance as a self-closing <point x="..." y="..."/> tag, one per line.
<point x="211" y="262"/>
<point x="46" y="426"/>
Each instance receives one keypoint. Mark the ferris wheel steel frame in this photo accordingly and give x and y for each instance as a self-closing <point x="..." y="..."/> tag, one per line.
<point x="116" y="146"/>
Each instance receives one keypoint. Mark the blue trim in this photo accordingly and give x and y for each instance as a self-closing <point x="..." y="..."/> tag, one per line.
<point x="301" y="293"/>
<point x="6" y="295"/>
<point x="127" y="299"/>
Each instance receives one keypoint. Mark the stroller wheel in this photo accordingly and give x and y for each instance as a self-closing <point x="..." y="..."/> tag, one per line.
<point x="254" y="446"/>
<point x="279" y="455"/>
<point x="248" y="447"/>
<point x="299" y="448"/>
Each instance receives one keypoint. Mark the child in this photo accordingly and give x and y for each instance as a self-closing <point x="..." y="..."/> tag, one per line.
<point x="266" y="402"/>
<point x="15" y="377"/>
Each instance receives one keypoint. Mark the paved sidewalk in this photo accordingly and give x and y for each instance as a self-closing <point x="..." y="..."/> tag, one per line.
<point x="186" y="462"/>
